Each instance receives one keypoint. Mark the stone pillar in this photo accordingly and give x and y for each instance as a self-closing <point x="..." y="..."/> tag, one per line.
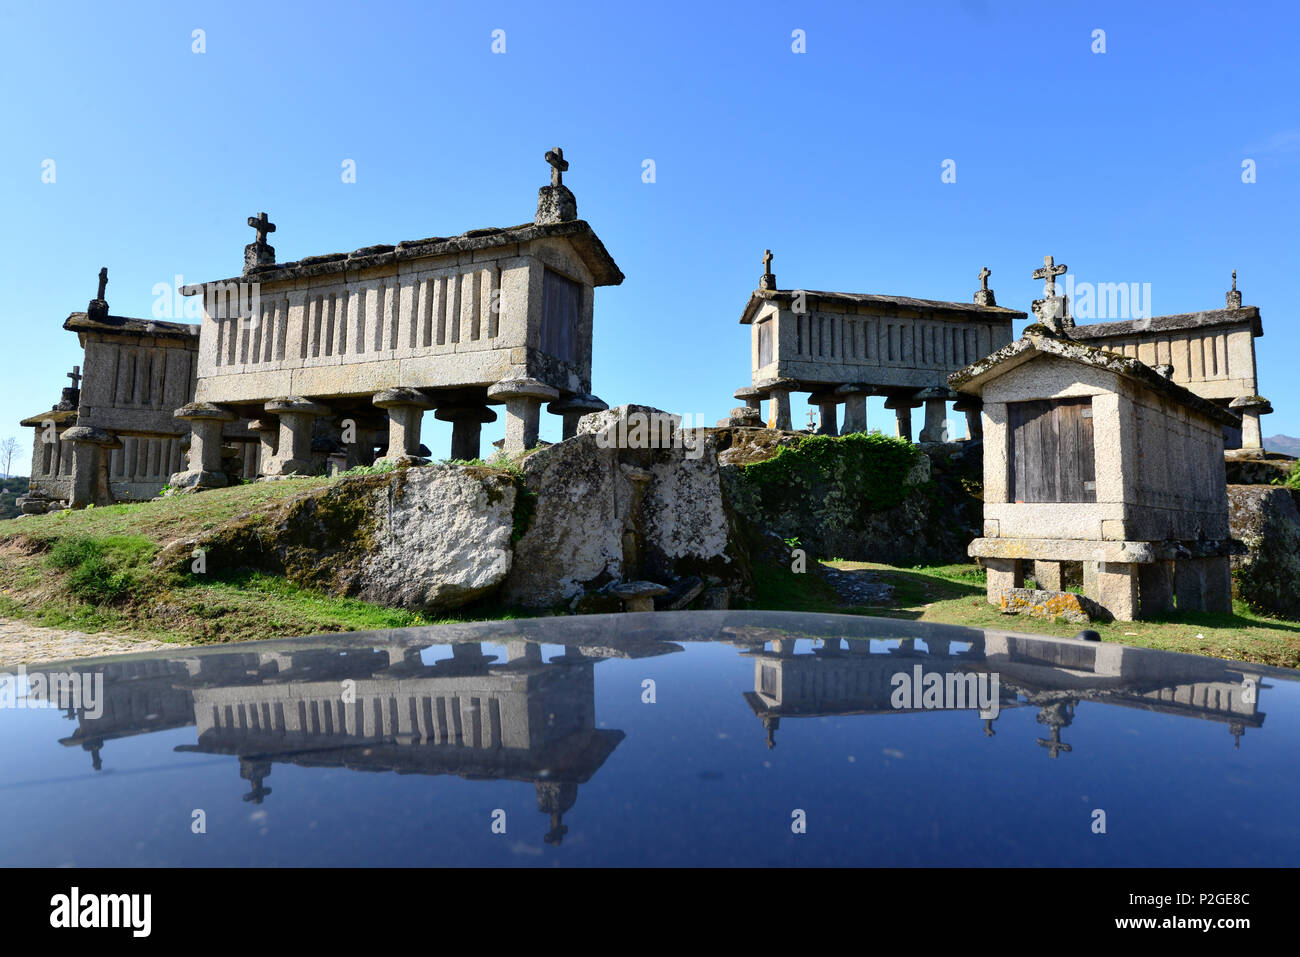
<point x="204" y="463"/>
<point x="1048" y="576"/>
<point x="466" y="428"/>
<point x="1218" y="583"/>
<point x="1189" y="584"/>
<point x="854" y="395"/>
<point x="92" y="452"/>
<point x="523" y="398"/>
<point x="1156" y="589"/>
<point x="1117" y="589"/>
<point x="574" y="407"/>
<point x="405" y="408"/>
<point x="1250" y="408"/>
<point x="753" y="398"/>
<point x="936" y="413"/>
<point x="778" y="415"/>
<point x="827" y="413"/>
<point x="293" y="446"/>
<point x="972" y="406"/>
<point x="902" y="407"/>
<point x="1003" y="573"/>
<point x="268" y="433"/>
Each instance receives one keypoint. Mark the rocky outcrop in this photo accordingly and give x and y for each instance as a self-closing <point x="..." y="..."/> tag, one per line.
<point x="424" y="538"/>
<point x="617" y="504"/>
<point x="859" y="497"/>
<point x="1266" y="521"/>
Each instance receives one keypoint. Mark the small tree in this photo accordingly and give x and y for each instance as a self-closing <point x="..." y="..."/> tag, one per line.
<point x="8" y="449"/>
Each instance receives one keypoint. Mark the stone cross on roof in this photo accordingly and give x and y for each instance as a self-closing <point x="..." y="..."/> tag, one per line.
<point x="263" y="225"/>
<point x="984" y="278"/>
<point x="1234" y="280"/>
<point x="767" y="280"/>
<point x="1049" y="272"/>
<point x="558" y="165"/>
<point x="75" y="376"/>
<point x="103" y="282"/>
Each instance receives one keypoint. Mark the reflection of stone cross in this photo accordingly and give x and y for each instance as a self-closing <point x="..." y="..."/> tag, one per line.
<point x="103" y="282"/>
<point x="984" y="278"/>
<point x="1049" y="272"/>
<point x="767" y="262"/>
<point x="75" y="376"/>
<point x="558" y="165"/>
<point x="263" y="226"/>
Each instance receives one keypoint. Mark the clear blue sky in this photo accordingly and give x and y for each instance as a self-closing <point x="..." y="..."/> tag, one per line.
<point x="1124" y="165"/>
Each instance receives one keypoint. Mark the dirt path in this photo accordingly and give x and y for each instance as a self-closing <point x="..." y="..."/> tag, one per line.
<point x="23" y="643"/>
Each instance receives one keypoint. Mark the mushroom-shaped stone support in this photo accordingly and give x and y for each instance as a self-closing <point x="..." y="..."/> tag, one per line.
<point x="92" y="449"/>
<point x="204" y="459"/>
<point x="1250" y="408"/>
<point x="936" y="400"/>
<point x="405" y="408"/>
<point x="523" y="398"/>
<point x="293" y="448"/>
<point x="902" y="406"/>
<point x="973" y="407"/>
<point x="573" y="408"/>
<point x="827" y="413"/>
<point x="638" y="596"/>
<point x="753" y="398"/>
<point x="466" y="428"/>
<point x="267" y="431"/>
<point x="854" y="395"/>
<point x="778" y="391"/>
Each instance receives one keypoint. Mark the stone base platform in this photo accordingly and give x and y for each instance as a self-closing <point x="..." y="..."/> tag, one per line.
<point x="1128" y="580"/>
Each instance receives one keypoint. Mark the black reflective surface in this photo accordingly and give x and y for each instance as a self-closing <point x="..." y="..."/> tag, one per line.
<point x="696" y="738"/>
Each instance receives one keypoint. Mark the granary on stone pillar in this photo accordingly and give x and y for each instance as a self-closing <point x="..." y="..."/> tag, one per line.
<point x="1212" y="353"/>
<point x="133" y="374"/>
<point x="454" y="324"/>
<point x="842" y="347"/>
<point x="1096" y="459"/>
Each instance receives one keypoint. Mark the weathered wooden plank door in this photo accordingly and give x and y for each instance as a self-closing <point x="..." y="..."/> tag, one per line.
<point x="765" y="341"/>
<point x="561" y="312"/>
<point x="1051" y="455"/>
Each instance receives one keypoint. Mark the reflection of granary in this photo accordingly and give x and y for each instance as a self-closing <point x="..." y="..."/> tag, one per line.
<point x="839" y="678"/>
<point x="1050" y="674"/>
<point x="1055" y="675"/>
<point x="842" y="347"/>
<point x="375" y="709"/>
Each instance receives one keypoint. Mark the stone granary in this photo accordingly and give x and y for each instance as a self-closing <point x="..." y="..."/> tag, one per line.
<point x="112" y="435"/>
<point x="1212" y="353"/>
<point x="1092" y="457"/>
<point x="348" y="346"/>
<point x="842" y="347"/>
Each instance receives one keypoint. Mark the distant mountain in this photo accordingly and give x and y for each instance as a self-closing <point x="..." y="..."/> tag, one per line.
<point x="1284" y="444"/>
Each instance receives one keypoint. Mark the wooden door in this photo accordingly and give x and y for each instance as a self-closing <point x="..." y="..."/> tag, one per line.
<point x="1051" y="455"/>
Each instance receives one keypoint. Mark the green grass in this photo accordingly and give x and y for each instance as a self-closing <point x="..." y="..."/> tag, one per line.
<point x="955" y="595"/>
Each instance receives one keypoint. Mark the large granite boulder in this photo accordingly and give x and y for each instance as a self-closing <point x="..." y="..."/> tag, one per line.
<point x="606" y="512"/>
<point x="1266" y="521"/>
<point x="443" y="542"/>
<point x="427" y="538"/>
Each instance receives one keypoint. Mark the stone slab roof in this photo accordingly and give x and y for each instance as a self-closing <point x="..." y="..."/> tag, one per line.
<point x="59" y="416"/>
<point x="971" y="379"/>
<point x="578" y="232"/>
<point x="953" y="310"/>
<point x="1185" y="320"/>
<point x="125" y="325"/>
